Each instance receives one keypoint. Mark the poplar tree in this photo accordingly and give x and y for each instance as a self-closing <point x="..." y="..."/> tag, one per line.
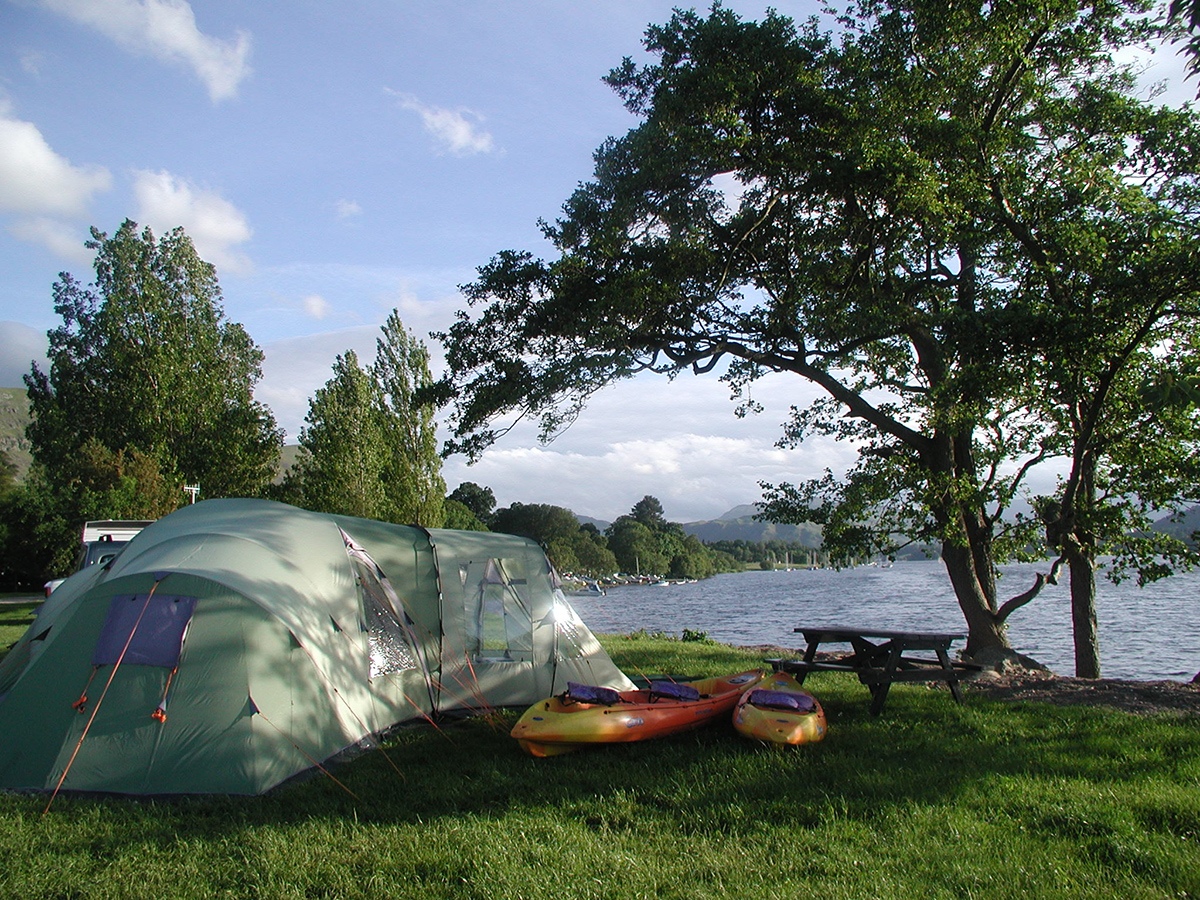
<point x="415" y="487"/>
<point x="369" y="447"/>
<point x="343" y="456"/>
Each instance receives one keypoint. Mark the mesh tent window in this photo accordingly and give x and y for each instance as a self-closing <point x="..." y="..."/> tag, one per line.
<point x="569" y="628"/>
<point x="391" y="649"/>
<point x="500" y="626"/>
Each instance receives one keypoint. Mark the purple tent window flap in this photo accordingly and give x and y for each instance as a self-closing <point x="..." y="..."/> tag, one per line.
<point x="157" y="624"/>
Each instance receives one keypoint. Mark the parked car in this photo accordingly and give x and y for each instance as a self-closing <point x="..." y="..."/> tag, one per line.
<point x="101" y="541"/>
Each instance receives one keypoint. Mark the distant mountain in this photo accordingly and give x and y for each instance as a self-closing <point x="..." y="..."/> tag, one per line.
<point x="1183" y="529"/>
<point x="745" y="511"/>
<point x="739" y="524"/>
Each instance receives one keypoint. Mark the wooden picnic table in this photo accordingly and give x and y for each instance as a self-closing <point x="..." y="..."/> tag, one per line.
<point x="881" y="657"/>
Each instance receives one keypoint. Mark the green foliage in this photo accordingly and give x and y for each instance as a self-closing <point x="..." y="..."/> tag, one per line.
<point x="369" y="448"/>
<point x="649" y="511"/>
<point x="593" y="554"/>
<point x="1185" y="16"/>
<point x="767" y="554"/>
<point x="8" y="473"/>
<point x="414" y="468"/>
<point x="40" y="519"/>
<point x="343" y="456"/>
<point x="149" y="388"/>
<point x="41" y="537"/>
<point x="461" y="518"/>
<point x="478" y="499"/>
<point x="645" y="543"/>
<point x="638" y="550"/>
<point x="145" y="361"/>
<point x="570" y="547"/>
<point x="542" y="522"/>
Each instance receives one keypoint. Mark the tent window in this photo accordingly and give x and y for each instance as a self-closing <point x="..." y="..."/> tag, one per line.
<point x="498" y="610"/>
<point x="569" y="628"/>
<point x="144" y="630"/>
<point x="391" y="650"/>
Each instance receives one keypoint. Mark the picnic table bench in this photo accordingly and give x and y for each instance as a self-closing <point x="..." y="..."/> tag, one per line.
<point x="881" y="657"/>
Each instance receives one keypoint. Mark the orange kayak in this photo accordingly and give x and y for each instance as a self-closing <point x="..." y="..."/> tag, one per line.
<point x="584" y="715"/>
<point x="779" y="711"/>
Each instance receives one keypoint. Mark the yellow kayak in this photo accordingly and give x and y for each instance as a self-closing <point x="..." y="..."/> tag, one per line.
<point x="584" y="714"/>
<point x="779" y="711"/>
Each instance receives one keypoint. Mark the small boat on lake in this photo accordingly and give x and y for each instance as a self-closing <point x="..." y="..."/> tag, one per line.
<point x="779" y="711"/>
<point x="585" y="715"/>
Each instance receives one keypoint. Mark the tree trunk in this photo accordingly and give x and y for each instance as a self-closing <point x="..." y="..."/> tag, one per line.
<point x="984" y="631"/>
<point x="1083" y="610"/>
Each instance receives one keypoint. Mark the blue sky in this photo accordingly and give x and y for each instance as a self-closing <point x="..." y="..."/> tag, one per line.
<point x="339" y="160"/>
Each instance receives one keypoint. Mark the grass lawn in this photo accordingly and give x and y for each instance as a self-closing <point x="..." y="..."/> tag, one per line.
<point x="929" y="800"/>
<point x="14" y="619"/>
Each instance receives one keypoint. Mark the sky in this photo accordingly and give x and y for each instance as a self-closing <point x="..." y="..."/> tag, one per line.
<point x="336" y="161"/>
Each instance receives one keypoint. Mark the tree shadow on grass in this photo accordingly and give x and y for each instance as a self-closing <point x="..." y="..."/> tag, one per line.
<point x="924" y="751"/>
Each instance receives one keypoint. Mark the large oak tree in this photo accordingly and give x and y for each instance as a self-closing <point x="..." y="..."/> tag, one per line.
<point x="871" y="208"/>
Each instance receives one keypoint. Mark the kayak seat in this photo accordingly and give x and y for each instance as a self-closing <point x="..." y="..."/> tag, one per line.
<point x="590" y="693"/>
<point x="671" y="690"/>
<point x="785" y="700"/>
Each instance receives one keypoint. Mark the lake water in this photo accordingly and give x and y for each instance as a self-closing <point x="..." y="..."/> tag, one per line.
<point x="1146" y="634"/>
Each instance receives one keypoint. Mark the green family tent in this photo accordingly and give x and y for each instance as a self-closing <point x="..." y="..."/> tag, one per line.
<point x="236" y="643"/>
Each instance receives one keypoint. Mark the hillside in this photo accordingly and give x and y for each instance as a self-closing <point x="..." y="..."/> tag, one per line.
<point x="739" y="524"/>
<point x="14" y="415"/>
<point x="1183" y="529"/>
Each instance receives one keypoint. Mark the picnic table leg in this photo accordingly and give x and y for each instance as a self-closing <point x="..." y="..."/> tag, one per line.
<point x="810" y="653"/>
<point x="951" y="675"/>
<point x="879" y="691"/>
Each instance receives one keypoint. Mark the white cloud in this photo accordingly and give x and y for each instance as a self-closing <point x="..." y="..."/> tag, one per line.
<point x="294" y="368"/>
<point x="678" y="441"/>
<point x="214" y="224"/>
<point x="20" y="347"/>
<point x="455" y="130"/>
<point x="32" y="62"/>
<point x="347" y="209"/>
<point x="34" y="180"/>
<point x="316" y="306"/>
<point x="166" y="30"/>
<point x="695" y="476"/>
<point x="60" y="238"/>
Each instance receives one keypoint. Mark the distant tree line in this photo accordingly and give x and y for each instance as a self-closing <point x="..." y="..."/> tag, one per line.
<point x="768" y="554"/>
<point x="641" y="543"/>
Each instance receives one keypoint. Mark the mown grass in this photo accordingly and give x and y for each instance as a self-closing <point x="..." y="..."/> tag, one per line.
<point x="930" y="800"/>
<point x="14" y="619"/>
